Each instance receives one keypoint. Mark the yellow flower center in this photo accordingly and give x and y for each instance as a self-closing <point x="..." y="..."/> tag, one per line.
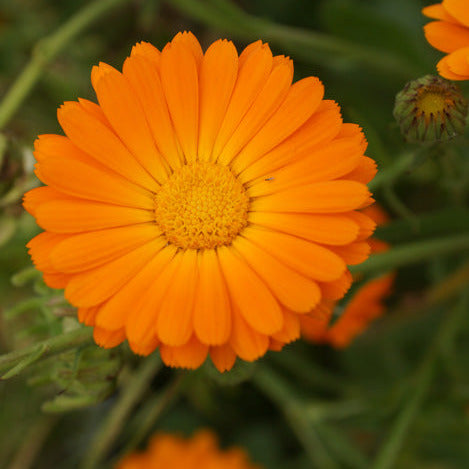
<point x="432" y="102"/>
<point x="201" y="206"/>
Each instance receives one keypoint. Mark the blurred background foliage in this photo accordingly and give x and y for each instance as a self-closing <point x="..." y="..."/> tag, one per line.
<point x="397" y="397"/>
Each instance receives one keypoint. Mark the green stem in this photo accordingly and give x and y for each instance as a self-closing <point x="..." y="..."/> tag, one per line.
<point x="151" y="412"/>
<point x="272" y="385"/>
<point x="47" y="348"/>
<point x="137" y="385"/>
<point x="308" y="371"/>
<point x="389" y="452"/>
<point x="409" y="253"/>
<point x="45" y="50"/>
<point x="301" y="43"/>
<point x="390" y="174"/>
<point x="33" y="442"/>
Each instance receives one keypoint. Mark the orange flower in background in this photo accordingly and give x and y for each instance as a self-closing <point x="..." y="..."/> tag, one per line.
<point x="365" y="305"/>
<point x="450" y="34"/>
<point x="167" y="451"/>
<point x="203" y="205"/>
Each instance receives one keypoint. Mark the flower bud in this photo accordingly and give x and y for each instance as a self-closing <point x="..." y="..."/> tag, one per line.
<point x="430" y="109"/>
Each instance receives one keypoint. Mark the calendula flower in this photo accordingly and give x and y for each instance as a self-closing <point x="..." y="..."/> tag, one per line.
<point x="203" y="205"/>
<point x="167" y="451"/>
<point x="366" y="304"/>
<point x="430" y="109"/>
<point x="450" y="34"/>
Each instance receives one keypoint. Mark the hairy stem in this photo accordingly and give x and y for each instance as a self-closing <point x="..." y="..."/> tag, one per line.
<point x="47" y="348"/>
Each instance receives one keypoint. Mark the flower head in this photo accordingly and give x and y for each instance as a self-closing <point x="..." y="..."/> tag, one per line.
<point x="450" y="34"/>
<point x="167" y="451"/>
<point x="203" y="205"/>
<point x="430" y="109"/>
<point x="365" y="305"/>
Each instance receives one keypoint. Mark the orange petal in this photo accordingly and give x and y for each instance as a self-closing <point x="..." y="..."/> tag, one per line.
<point x="35" y="197"/>
<point x="223" y="357"/>
<point x="76" y="215"/>
<point x="445" y="71"/>
<point x="212" y="310"/>
<point x="140" y="325"/>
<point x="294" y="291"/>
<point x="290" y="330"/>
<point x="174" y="325"/>
<point x="457" y="9"/>
<point x="58" y="146"/>
<point x="56" y="280"/>
<point x="438" y="12"/>
<point x="458" y="61"/>
<point x="92" y="109"/>
<point x="99" y="71"/>
<point x="320" y="128"/>
<point x="324" y="229"/>
<point x="251" y="78"/>
<point x="145" y="347"/>
<point x="146" y="84"/>
<point x="248" y="50"/>
<point x="305" y="257"/>
<point x="108" y="339"/>
<point x="123" y="110"/>
<point x="321" y="197"/>
<point x="364" y="172"/>
<point x="252" y="297"/>
<point x="301" y="102"/>
<point x="40" y="248"/>
<point x="126" y="304"/>
<point x="146" y="50"/>
<point x="271" y="96"/>
<point x="97" y="285"/>
<point x="445" y="36"/>
<point x="87" y="316"/>
<point x="218" y="74"/>
<point x="246" y="342"/>
<point x="336" y="289"/>
<point x="330" y="162"/>
<point x="314" y="328"/>
<point x="89" y="250"/>
<point x="365" y="223"/>
<point x="187" y="40"/>
<point x="92" y="136"/>
<point x="190" y="355"/>
<point x="353" y="253"/>
<point x="180" y="84"/>
<point x="81" y="180"/>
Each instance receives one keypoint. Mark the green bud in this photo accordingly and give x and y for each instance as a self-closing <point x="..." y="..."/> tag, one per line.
<point x="430" y="109"/>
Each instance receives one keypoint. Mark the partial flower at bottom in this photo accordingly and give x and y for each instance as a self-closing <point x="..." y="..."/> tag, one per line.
<point x="204" y="205"/>
<point x="201" y="451"/>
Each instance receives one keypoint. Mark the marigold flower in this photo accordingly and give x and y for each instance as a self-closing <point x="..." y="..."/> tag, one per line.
<point x="365" y="305"/>
<point x="430" y="109"/>
<point x="203" y="205"/>
<point x="167" y="451"/>
<point x="450" y="34"/>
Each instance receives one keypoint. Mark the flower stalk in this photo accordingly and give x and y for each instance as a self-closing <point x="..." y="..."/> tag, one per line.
<point x="389" y="452"/>
<point x="46" y="50"/>
<point x="410" y="253"/>
<point x="20" y="359"/>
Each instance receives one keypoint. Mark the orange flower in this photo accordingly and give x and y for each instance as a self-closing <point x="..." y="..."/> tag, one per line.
<point x="364" y="306"/>
<point x="450" y="34"/>
<point x="167" y="451"/>
<point x="204" y="205"/>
